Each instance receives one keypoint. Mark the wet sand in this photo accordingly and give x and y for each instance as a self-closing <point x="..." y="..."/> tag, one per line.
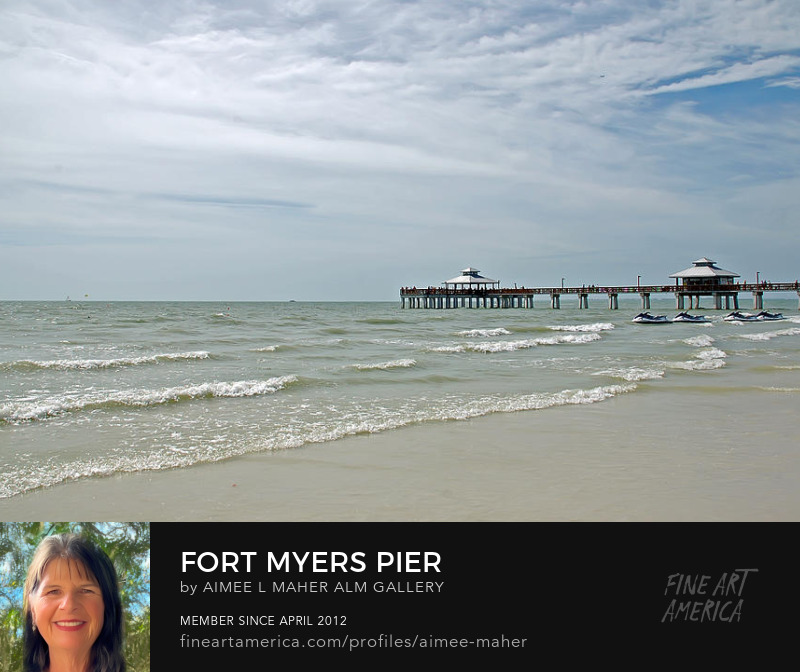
<point x="638" y="457"/>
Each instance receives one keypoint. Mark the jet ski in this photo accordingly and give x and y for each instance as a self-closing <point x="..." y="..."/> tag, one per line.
<point x="685" y="317"/>
<point x="764" y="315"/>
<point x="647" y="318"/>
<point x="737" y="316"/>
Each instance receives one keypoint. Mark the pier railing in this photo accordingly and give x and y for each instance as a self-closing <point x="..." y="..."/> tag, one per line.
<point x="522" y="297"/>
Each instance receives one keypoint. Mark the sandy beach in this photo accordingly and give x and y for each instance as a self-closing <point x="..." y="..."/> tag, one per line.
<point x="685" y="462"/>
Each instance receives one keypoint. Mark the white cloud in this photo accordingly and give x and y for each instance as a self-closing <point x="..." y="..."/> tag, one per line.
<point x="558" y="118"/>
<point x="738" y="72"/>
<point x="791" y="82"/>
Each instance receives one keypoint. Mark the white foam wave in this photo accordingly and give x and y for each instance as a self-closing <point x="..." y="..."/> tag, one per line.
<point x="70" y="364"/>
<point x="511" y="346"/>
<point x="383" y="366"/>
<point x="266" y="348"/>
<point x="769" y="335"/>
<point x="448" y="409"/>
<point x="633" y="374"/>
<point x="39" y="409"/>
<point x="701" y="341"/>
<point x="712" y="353"/>
<point x="597" y="326"/>
<point x="447" y="348"/>
<point x="780" y="389"/>
<point x="357" y="421"/>
<point x="484" y="333"/>
<point x="706" y="359"/>
<point x="531" y="402"/>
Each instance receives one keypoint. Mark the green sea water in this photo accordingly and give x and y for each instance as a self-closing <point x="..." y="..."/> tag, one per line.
<point x="91" y="389"/>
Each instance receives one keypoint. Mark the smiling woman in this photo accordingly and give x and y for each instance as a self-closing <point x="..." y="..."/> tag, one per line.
<point x="72" y="611"/>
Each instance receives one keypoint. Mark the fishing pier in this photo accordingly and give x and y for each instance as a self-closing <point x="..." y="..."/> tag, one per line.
<point x="704" y="278"/>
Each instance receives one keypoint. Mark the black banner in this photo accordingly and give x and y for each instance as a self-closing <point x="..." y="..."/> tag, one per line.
<point x="246" y="593"/>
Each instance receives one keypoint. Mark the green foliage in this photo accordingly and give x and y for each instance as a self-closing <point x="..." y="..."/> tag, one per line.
<point x="128" y="546"/>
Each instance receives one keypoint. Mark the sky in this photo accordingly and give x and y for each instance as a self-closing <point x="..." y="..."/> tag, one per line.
<point x="337" y="150"/>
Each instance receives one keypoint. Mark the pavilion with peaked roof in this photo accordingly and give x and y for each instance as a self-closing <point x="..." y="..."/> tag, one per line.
<point x="471" y="278"/>
<point x="705" y="278"/>
<point x="704" y="272"/>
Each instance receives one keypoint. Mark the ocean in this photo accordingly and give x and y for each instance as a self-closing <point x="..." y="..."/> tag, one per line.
<point x="89" y="390"/>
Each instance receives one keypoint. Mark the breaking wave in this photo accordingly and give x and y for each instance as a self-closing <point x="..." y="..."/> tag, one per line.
<point x="706" y="359"/>
<point x="510" y="346"/>
<point x="358" y="421"/>
<point x="384" y="366"/>
<point x="632" y="374"/>
<point x="597" y="326"/>
<point x="28" y="409"/>
<point x="484" y="333"/>
<point x="71" y="364"/>
<point x="448" y="348"/>
<point x="769" y="335"/>
<point x="701" y="341"/>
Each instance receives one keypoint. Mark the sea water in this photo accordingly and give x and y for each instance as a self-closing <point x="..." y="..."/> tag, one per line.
<point x="90" y="389"/>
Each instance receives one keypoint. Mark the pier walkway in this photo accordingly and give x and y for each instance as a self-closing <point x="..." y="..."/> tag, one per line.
<point x="523" y="297"/>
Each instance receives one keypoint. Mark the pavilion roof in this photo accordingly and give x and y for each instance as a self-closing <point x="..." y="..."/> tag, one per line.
<point x="704" y="268"/>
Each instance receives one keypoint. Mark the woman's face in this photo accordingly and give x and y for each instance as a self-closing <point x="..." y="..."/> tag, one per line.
<point x="67" y="607"/>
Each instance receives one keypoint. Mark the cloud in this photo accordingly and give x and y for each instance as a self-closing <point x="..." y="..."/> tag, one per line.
<point x="738" y="72"/>
<point x="791" y="82"/>
<point x="440" y="120"/>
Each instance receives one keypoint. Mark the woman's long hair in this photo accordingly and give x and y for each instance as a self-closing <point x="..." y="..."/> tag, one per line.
<point x="107" y="649"/>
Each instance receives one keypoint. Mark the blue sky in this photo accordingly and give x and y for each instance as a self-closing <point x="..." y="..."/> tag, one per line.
<point x="338" y="150"/>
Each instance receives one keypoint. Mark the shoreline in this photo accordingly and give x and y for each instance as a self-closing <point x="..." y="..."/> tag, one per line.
<point x="694" y="462"/>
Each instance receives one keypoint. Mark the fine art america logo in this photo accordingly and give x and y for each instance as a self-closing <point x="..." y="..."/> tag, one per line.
<point x="706" y="597"/>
